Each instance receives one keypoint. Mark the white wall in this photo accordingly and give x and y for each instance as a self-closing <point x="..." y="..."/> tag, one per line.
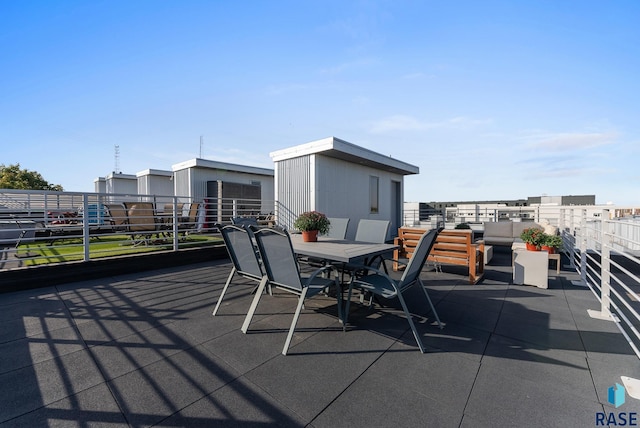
<point x="337" y="188"/>
<point x="121" y="183"/>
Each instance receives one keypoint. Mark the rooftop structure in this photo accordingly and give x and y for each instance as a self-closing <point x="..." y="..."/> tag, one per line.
<point x="339" y="179"/>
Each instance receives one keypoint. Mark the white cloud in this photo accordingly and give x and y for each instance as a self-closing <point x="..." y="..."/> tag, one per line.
<point x="573" y="141"/>
<point x="284" y="88"/>
<point x="346" y="66"/>
<point x="397" y="123"/>
<point x="409" y="123"/>
<point x="418" y="75"/>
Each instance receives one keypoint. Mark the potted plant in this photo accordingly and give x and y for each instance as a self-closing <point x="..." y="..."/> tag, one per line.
<point x="533" y="238"/>
<point x="551" y="243"/>
<point x="311" y="223"/>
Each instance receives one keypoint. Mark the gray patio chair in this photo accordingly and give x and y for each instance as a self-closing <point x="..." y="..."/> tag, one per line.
<point x="338" y="228"/>
<point x="282" y="270"/>
<point x="243" y="257"/>
<point x="380" y="284"/>
<point x="374" y="231"/>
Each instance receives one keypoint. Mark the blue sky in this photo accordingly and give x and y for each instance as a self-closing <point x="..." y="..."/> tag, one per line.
<point x="491" y="99"/>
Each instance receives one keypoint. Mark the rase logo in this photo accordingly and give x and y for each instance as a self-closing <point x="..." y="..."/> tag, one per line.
<point x="616" y="397"/>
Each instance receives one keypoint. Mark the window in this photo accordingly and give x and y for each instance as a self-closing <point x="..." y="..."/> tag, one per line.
<point x="373" y="193"/>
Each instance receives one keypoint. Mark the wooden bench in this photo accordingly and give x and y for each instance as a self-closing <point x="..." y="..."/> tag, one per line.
<point x="452" y="247"/>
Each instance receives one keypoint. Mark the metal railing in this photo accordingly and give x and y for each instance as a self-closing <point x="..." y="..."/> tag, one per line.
<point x="604" y="252"/>
<point x="39" y="227"/>
<point x="42" y="227"/>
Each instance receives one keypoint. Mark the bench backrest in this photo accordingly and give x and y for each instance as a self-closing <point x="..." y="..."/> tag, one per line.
<point x="456" y="244"/>
<point x="452" y="246"/>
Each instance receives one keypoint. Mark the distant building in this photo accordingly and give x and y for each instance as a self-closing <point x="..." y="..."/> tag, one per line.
<point x="100" y="185"/>
<point x="155" y="182"/>
<point x="121" y="183"/>
<point x="228" y="189"/>
<point x="563" y="200"/>
<point x="493" y="210"/>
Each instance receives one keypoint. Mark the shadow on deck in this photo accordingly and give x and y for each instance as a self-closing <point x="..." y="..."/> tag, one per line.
<point x="142" y="349"/>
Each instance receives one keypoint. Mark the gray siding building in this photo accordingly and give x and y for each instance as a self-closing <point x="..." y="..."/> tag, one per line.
<point x="225" y="186"/>
<point x="339" y="179"/>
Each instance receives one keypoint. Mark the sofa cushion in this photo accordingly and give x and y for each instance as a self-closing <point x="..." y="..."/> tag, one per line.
<point x="550" y="230"/>
<point x="497" y="240"/>
<point x="500" y="229"/>
<point x="519" y="226"/>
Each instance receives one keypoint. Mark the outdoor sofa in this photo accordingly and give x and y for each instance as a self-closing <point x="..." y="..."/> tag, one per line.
<point x="505" y="233"/>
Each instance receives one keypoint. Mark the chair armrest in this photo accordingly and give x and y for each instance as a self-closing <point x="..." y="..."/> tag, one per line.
<point x="376" y="272"/>
<point x="321" y="270"/>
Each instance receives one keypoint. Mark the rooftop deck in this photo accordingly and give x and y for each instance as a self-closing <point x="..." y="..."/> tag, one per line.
<point x="143" y="350"/>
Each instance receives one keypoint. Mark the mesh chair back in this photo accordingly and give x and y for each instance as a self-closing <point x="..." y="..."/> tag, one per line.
<point x="249" y="221"/>
<point x="168" y="209"/>
<point x="419" y="257"/>
<point x="241" y="250"/>
<point x="118" y="215"/>
<point x="141" y="216"/>
<point x="374" y="231"/>
<point x="278" y="257"/>
<point x="338" y="228"/>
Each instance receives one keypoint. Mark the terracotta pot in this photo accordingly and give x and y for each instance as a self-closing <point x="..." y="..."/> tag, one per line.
<point x="310" y="236"/>
<point x="532" y="247"/>
<point x="550" y="250"/>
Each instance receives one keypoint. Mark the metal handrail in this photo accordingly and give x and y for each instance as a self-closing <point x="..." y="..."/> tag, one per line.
<point x="604" y="252"/>
<point x="81" y="223"/>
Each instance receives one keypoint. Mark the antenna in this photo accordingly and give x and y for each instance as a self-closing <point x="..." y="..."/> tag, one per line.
<point x="116" y="168"/>
<point x="201" y="139"/>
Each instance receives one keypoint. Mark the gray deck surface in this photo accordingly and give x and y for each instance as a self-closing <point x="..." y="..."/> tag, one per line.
<point x="143" y="350"/>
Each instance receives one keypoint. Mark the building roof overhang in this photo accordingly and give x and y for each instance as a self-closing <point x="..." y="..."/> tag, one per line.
<point x="205" y="163"/>
<point x="161" y="172"/>
<point x="343" y="150"/>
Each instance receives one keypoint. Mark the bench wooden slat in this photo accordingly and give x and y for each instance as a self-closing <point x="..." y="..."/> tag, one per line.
<point x="451" y="247"/>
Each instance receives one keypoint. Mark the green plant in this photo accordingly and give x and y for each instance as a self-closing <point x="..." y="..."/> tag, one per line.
<point x="312" y="220"/>
<point x="554" y="241"/>
<point x="533" y="236"/>
<point x="463" y="226"/>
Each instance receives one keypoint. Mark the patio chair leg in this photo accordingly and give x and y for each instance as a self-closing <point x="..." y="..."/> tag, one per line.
<point x="346" y="306"/>
<point x="430" y="303"/>
<point x="224" y="290"/>
<point x="295" y="321"/>
<point x="411" y="323"/>
<point x="339" y="298"/>
<point x="254" y="304"/>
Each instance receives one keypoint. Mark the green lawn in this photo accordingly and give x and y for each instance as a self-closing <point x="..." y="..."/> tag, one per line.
<point x="71" y="249"/>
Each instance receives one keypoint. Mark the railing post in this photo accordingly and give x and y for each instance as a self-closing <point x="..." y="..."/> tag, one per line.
<point x="85" y="227"/>
<point x="583" y="246"/>
<point x="583" y="250"/>
<point x="234" y="209"/>
<point x="174" y="224"/>
<point x="605" y="273"/>
<point x="572" y="232"/>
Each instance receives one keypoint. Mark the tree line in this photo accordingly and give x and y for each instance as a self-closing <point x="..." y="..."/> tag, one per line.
<point x="14" y="177"/>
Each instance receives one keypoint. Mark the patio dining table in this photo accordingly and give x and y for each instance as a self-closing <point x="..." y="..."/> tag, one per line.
<point x="338" y="250"/>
